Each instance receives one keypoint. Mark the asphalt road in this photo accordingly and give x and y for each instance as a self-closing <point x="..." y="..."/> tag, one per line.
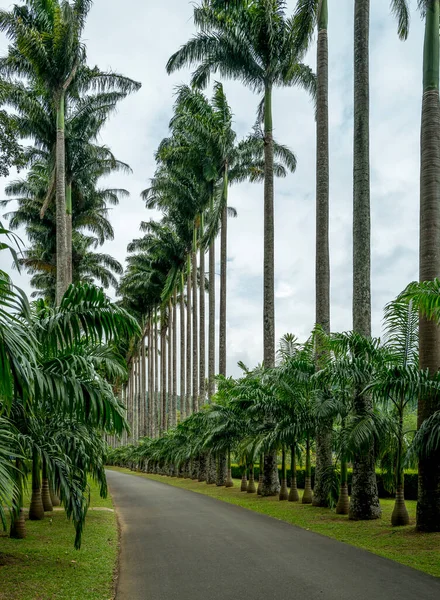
<point x="178" y="545"/>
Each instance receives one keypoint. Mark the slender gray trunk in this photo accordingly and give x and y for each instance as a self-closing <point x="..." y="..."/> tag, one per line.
<point x="364" y="502"/>
<point x="188" y="345"/>
<point x="182" y="354"/>
<point x="211" y="341"/>
<point x="163" y="367"/>
<point x="195" y="339"/>
<point x="174" y="411"/>
<point x="202" y="352"/>
<point x="428" y="505"/>
<point x="156" y="380"/>
<point x="170" y="366"/>
<point x="61" y="222"/>
<point x="223" y="291"/>
<point x="324" y="433"/>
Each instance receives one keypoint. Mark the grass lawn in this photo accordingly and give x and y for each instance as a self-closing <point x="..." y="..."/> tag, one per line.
<point x="45" y="565"/>
<point x="402" y="544"/>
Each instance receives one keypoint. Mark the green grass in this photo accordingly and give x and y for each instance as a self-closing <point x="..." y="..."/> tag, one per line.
<point x="402" y="544"/>
<point x="45" y="565"/>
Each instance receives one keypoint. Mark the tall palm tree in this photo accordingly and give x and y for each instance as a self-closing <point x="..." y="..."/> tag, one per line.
<point x="428" y="506"/>
<point x="47" y="50"/>
<point x="364" y="502"/>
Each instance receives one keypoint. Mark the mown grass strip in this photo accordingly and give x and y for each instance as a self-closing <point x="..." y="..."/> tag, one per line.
<point x="403" y="544"/>
<point x="46" y="566"/>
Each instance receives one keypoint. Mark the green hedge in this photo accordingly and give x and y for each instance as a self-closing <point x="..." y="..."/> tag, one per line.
<point x="411" y="481"/>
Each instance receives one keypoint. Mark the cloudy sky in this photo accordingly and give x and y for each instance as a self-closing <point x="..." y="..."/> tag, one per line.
<point x="136" y="37"/>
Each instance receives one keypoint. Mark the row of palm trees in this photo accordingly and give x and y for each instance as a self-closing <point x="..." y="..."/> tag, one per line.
<point x="282" y="410"/>
<point x="257" y="43"/>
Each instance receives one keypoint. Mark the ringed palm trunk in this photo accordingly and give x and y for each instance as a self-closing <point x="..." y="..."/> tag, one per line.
<point x="182" y="352"/>
<point x="322" y="269"/>
<point x="229" y="482"/>
<point x="18" y="524"/>
<point x="170" y="367"/>
<point x="211" y="333"/>
<point x="343" y="504"/>
<point x="364" y="504"/>
<point x="45" y="493"/>
<point x="260" y="475"/>
<point x="222" y="469"/>
<point x="251" y="489"/>
<point x="428" y="505"/>
<point x="150" y="379"/>
<point x="36" y="509"/>
<point x="163" y="369"/>
<point x="144" y="431"/>
<point x="308" y="494"/>
<point x="223" y="284"/>
<point x="271" y="484"/>
<point x="69" y="248"/>
<point x="61" y="222"/>
<point x="195" y="348"/>
<point x="284" y="492"/>
<point x="211" y="469"/>
<point x="293" y="494"/>
<point x="174" y="412"/>
<point x="244" y="483"/>
<point x="202" y="350"/>
<point x="156" y="380"/>
<point x="188" y="341"/>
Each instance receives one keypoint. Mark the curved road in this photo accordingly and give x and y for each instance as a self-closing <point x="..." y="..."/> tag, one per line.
<point x="178" y="545"/>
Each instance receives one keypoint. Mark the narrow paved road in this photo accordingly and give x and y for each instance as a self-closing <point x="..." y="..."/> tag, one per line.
<point x="178" y="545"/>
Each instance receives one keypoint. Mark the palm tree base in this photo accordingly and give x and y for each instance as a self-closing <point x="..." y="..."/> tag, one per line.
<point x="260" y="484"/>
<point x="308" y="494"/>
<point x="293" y="494"/>
<point x="400" y="515"/>
<point x="18" y="527"/>
<point x="244" y="483"/>
<point x="343" y="504"/>
<point x="284" y="491"/>
<point x="229" y="482"/>
<point x="36" y="508"/>
<point x="45" y="496"/>
<point x="251" y="489"/>
<point x="54" y="497"/>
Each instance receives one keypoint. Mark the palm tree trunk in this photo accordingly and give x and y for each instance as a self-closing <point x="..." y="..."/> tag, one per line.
<point x="223" y="289"/>
<point x="260" y="474"/>
<point x="211" y="341"/>
<point x="364" y="498"/>
<point x="150" y="379"/>
<point x="222" y="470"/>
<point x="36" y="509"/>
<point x="182" y="353"/>
<point x="163" y="367"/>
<point x="195" y="345"/>
<point x="170" y="366"/>
<point x="174" y="409"/>
<point x="271" y="484"/>
<point x="293" y="494"/>
<point x="322" y="270"/>
<point x="69" y="248"/>
<point x="18" y="524"/>
<point x="188" y="340"/>
<point x="251" y="489"/>
<point x="202" y="351"/>
<point x="144" y="429"/>
<point x="45" y="493"/>
<point x="343" y="504"/>
<point x="156" y="379"/>
<point x="244" y="483"/>
<point x="61" y="227"/>
<point x="308" y="494"/>
<point x="284" y="492"/>
<point x="428" y="505"/>
<point x="229" y="482"/>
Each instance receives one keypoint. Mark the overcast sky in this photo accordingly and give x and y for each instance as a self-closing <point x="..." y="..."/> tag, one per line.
<point x="136" y="37"/>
